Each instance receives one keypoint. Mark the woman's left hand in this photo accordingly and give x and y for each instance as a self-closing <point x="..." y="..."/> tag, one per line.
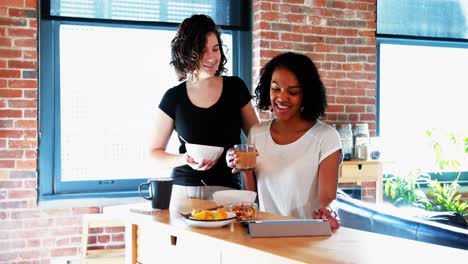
<point x="206" y="164"/>
<point x="329" y="214"/>
<point x="202" y="165"/>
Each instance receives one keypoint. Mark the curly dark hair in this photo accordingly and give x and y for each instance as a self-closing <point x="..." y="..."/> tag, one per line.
<point x="314" y="99"/>
<point x="189" y="42"/>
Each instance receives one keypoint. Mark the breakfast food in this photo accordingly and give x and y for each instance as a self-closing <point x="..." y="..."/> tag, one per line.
<point x="218" y="214"/>
<point x="244" y="211"/>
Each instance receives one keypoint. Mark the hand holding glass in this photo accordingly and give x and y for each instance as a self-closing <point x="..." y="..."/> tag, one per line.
<point x="246" y="157"/>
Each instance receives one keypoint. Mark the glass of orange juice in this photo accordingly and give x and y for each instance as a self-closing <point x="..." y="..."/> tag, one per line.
<point x="246" y="157"/>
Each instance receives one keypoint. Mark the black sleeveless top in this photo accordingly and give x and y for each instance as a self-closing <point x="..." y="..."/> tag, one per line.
<point x="218" y="125"/>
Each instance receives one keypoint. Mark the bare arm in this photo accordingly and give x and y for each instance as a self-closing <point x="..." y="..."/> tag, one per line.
<point x="328" y="178"/>
<point x="249" y="180"/>
<point x="249" y="118"/>
<point x="164" y="125"/>
<point x="328" y="184"/>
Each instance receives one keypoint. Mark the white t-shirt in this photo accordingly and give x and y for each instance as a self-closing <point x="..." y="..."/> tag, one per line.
<point x="287" y="174"/>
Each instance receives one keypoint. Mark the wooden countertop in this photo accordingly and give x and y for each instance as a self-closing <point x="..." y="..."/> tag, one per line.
<point x="345" y="245"/>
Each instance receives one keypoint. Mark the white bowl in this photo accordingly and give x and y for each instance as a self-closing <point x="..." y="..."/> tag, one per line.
<point x="228" y="197"/>
<point x="203" y="152"/>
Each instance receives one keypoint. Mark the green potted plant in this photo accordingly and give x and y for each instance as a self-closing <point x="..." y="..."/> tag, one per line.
<point x="405" y="190"/>
<point x="445" y="196"/>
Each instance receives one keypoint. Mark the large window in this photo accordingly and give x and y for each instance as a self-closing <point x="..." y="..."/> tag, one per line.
<point x="422" y="87"/>
<point x="422" y="62"/>
<point x="104" y="68"/>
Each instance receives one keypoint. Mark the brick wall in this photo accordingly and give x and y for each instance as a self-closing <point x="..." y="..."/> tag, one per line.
<point x="337" y="35"/>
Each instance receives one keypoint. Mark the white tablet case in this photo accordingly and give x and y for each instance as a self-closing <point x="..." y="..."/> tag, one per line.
<point x="289" y="228"/>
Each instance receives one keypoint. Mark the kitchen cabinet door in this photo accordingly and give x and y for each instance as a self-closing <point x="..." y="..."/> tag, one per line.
<point x="197" y="248"/>
<point x="155" y="245"/>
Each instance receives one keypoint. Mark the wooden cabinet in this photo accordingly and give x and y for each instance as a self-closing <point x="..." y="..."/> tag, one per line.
<point x="194" y="248"/>
<point x="363" y="171"/>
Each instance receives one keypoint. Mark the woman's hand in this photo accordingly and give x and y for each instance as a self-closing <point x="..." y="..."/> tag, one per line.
<point x="203" y="165"/>
<point x="231" y="161"/>
<point x="329" y="214"/>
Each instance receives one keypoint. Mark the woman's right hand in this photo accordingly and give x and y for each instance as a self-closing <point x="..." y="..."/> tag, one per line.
<point x="231" y="162"/>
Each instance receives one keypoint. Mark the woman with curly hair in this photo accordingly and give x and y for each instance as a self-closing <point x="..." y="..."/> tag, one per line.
<point x="206" y="108"/>
<point x="298" y="155"/>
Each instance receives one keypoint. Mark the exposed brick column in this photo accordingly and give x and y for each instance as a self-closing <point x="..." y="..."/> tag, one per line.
<point x="18" y="132"/>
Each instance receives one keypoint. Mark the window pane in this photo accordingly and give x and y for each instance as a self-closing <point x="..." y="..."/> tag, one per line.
<point x="226" y="13"/>
<point x="111" y="82"/>
<point x="421" y="88"/>
<point x="426" y="18"/>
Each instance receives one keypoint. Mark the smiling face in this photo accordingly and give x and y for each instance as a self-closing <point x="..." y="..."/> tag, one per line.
<point x="210" y="57"/>
<point x="285" y="94"/>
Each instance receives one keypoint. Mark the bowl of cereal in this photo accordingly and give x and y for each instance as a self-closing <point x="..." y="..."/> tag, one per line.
<point x="245" y="211"/>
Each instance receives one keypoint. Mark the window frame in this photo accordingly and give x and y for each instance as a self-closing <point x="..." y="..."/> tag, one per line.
<point x="49" y="161"/>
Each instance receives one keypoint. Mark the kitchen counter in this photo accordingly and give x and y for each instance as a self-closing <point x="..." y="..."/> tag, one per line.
<point x="164" y="237"/>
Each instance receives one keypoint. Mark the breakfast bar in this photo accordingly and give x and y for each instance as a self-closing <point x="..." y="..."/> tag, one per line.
<point x="165" y="237"/>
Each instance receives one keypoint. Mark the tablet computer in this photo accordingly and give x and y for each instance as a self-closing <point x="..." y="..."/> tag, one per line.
<point x="289" y="228"/>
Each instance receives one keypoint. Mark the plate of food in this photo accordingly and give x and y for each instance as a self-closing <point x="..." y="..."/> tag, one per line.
<point x="209" y="218"/>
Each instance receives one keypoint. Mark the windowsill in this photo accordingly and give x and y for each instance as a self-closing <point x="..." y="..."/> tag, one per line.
<point x="68" y="201"/>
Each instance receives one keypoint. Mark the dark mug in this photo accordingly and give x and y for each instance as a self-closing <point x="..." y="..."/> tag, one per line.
<point x="160" y="190"/>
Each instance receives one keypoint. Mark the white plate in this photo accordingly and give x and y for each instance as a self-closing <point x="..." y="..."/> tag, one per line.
<point x="211" y="223"/>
